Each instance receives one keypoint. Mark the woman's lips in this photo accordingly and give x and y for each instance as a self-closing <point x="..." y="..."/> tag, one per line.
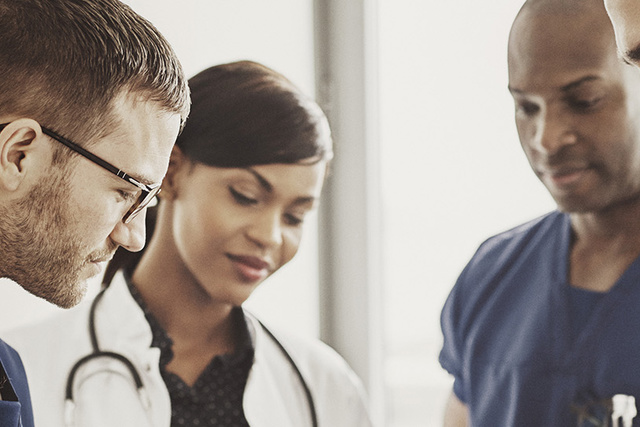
<point x="250" y="268"/>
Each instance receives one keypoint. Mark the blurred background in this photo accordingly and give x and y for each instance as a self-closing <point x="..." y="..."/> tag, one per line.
<point x="427" y="166"/>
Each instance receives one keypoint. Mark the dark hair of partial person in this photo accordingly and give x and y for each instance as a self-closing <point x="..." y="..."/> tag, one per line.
<point x="244" y="114"/>
<point x="63" y="62"/>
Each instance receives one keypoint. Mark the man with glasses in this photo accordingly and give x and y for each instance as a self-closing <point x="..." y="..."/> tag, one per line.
<point x="541" y="328"/>
<point x="92" y="98"/>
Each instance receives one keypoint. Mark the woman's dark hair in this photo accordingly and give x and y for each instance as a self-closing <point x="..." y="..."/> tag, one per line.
<point x="244" y="114"/>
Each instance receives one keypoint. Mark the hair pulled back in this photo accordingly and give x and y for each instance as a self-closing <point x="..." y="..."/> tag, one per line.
<point x="244" y="113"/>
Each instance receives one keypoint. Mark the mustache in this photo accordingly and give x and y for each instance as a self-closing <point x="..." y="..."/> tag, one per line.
<point x="565" y="156"/>
<point x="103" y="255"/>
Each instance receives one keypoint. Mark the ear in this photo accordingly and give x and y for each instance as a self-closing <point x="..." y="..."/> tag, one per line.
<point x="178" y="167"/>
<point x="20" y="153"/>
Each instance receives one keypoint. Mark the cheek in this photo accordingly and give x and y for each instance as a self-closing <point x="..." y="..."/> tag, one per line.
<point x="92" y="222"/>
<point x="290" y="245"/>
<point x="526" y="133"/>
<point x="525" y="130"/>
<point x="91" y="201"/>
<point x="188" y="227"/>
<point x="198" y="232"/>
<point x="613" y="127"/>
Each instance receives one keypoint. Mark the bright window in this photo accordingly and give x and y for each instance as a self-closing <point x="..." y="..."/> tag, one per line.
<point x="453" y="173"/>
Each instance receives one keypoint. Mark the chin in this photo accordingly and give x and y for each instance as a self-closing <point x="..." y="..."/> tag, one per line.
<point x="582" y="207"/>
<point x="571" y="209"/>
<point x="62" y="294"/>
<point x="72" y="297"/>
<point x="571" y="203"/>
<point x="236" y="299"/>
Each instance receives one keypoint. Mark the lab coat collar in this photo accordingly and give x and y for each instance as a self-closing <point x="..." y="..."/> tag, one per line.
<point x="122" y="318"/>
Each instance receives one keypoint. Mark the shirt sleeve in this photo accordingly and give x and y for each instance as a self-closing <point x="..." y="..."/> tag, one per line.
<point x="451" y="356"/>
<point x="17" y="388"/>
<point x="456" y="317"/>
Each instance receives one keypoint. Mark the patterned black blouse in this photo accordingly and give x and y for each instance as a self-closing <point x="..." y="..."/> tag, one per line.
<point x="215" y="399"/>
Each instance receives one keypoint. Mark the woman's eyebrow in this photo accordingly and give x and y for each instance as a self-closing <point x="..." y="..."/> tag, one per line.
<point x="308" y="200"/>
<point x="261" y="179"/>
<point x="269" y="188"/>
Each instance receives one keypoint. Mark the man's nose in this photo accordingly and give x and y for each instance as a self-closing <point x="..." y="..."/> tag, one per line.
<point x="131" y="236"/>
<point x="553" y="131"/>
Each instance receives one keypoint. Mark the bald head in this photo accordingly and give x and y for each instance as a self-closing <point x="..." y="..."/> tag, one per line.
<point x="548" y="35"/>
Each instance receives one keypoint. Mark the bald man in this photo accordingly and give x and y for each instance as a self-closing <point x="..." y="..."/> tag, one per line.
<point x="543" y="325"/>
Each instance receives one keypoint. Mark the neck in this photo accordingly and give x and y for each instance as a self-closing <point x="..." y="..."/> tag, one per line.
<point x="604" y="245"/>
<point x="177" y="299"/>
<point x="621" y="223"/>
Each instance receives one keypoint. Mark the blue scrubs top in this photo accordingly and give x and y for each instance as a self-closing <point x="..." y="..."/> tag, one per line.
<point x="514" y="344"/>
<point x="15" y="408"/>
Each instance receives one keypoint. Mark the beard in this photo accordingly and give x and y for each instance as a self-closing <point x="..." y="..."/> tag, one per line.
<point x="38" y="246"/>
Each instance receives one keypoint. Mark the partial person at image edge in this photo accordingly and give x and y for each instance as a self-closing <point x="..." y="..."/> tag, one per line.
<point x="540" y="328"/>
<point x="91" y="100"/>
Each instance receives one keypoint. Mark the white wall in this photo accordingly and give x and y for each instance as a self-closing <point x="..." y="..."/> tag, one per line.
<point x="278" y="33"/>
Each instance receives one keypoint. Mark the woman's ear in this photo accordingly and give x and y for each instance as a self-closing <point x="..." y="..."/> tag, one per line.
<point x="178" y="164"/>
<point x="19" y="155"/>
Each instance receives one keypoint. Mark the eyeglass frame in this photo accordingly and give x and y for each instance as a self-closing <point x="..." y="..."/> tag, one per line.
<point x="148" y="191"/>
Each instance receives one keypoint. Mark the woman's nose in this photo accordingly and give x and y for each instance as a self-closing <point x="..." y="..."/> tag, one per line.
<point x="267" y="231"/>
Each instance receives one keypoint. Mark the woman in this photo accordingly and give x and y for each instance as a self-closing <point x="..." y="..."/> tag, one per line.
<point x="247" y="169"/>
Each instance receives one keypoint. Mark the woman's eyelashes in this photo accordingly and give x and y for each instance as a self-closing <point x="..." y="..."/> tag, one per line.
<point x="241" y="198"/>
<point x="293" y="219"/>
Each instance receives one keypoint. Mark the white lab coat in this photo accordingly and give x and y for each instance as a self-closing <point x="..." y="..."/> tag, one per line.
<point x="104" y="390"/>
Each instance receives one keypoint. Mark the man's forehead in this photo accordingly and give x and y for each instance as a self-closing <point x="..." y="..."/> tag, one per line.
<point x="140" y="143"/>
<point x="146" y="166"/>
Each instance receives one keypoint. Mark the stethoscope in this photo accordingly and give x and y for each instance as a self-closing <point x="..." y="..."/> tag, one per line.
<point x="142" y="393"/>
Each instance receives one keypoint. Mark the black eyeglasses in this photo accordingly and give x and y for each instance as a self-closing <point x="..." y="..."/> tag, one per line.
<point x="147" y="192"/>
